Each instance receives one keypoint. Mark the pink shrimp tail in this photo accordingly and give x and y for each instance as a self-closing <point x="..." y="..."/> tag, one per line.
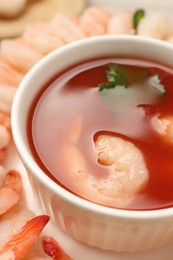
<point x="53" y="249"/>
<point x="24" y="239"/>
<point x="10" y="193"/>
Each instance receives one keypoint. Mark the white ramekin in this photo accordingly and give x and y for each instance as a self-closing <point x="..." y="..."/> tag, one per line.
<point x="95" y="225"/>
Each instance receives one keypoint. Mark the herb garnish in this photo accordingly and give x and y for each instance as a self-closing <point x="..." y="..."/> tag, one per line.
<point x="119" y="76"/>
<point x="115" y="78"/>
<point x="138" y="15"/>
<point x="128" y="87"/>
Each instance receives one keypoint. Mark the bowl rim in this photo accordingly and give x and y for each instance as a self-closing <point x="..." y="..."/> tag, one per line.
<point x="40" y="175"/>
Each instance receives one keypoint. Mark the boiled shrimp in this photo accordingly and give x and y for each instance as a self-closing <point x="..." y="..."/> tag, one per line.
<point x="12" y="221"/>
<point x="121" y="23"/>
<point x="19" y="229"/>
<point x="41" y="36"/>
<point x="155" y="25"/>
<point x="21" y="56"/>
<point x="8" y="74"/>
<point x="10" y="78"/>
<point x="164" y="127"/>
<point x="125" y="171"/>
<point x="5" y="119"/>
<point x="94" y="21"/>
<point x="66" y="29"/>
<point x="2" y="175"/>
<point x="4" y="142"/>
<point x="11" y="191"/>
<point x="4" y="137"/>
<point x="20" y="243"/>
<point x="7" y="94"/>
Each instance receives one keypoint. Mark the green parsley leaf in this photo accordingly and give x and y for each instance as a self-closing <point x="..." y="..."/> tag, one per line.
<point x="115" y="78"/>
<point x="138" y="15"/>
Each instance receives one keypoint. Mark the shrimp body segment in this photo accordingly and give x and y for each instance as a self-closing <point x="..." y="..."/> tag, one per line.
<point x="121" y="172"/>
<point x="129" y="173"/>
<point x="20" y="243"/>
<point x="11" y="191"/>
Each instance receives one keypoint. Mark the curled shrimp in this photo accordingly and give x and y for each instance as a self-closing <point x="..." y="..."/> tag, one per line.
<point x="121" y="23"/>
<point x="20" y="243"/>
<point x="155" y="25"/>
<point x="11" y="191"/>
<point x="41" y="36"/>
<point x="94" y="21"/>
<point x="123" y="170"/>
<point x="66" y="29"/>
<point x="8" y="74"/>
<point x="19" y="54"/>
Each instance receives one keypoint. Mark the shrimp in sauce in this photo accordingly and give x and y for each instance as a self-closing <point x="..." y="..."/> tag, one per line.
<point x="127" y="175"/>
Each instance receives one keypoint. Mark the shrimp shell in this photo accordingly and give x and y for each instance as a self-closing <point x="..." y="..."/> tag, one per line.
<point x="12" y="221"/>
<point x="20" y="243"/>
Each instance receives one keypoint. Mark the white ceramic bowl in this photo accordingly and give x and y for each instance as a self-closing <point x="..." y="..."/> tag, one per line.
<point x="95" y="225"/>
